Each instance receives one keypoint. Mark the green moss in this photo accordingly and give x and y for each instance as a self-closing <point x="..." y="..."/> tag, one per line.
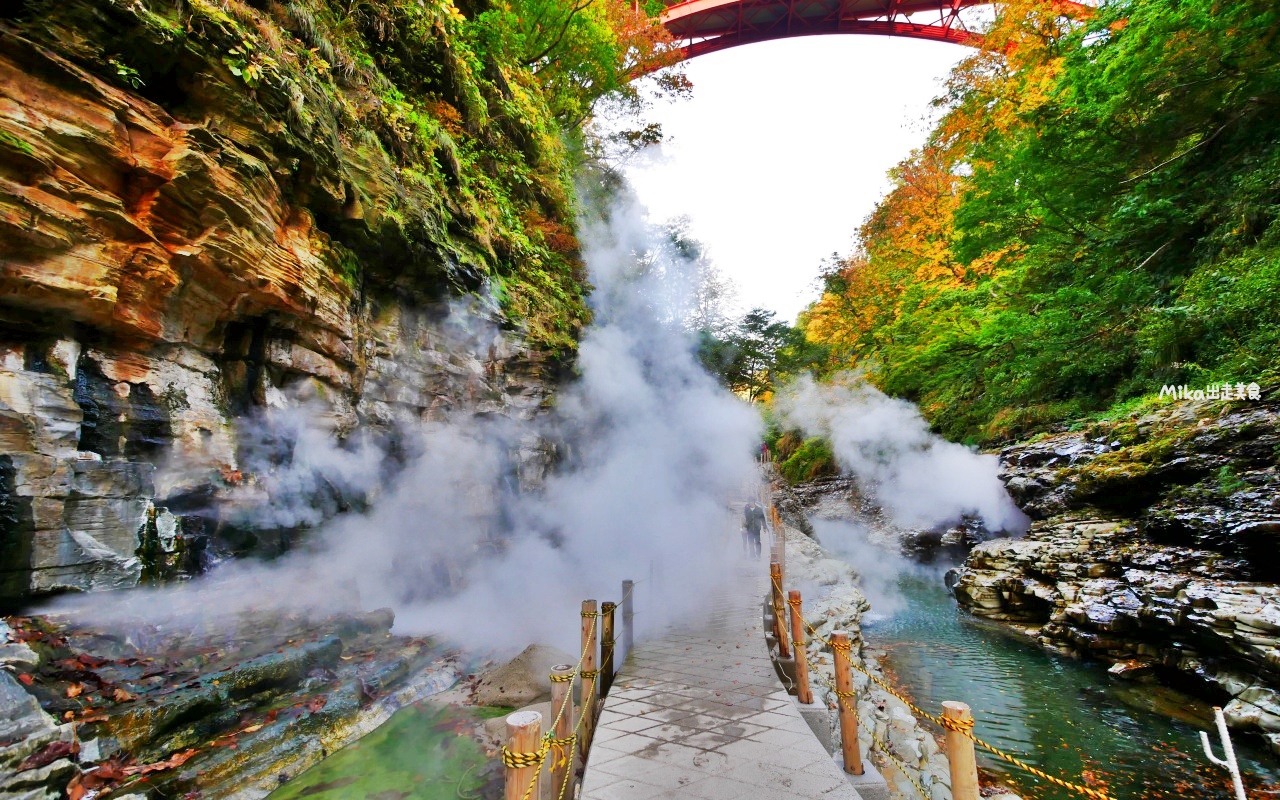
<point x="12" y="142"/>
<point x="813" y="459"/>
<point x="1121" y="469"/>
<point x="432" y="170"/>
<point x="418" y="754"/>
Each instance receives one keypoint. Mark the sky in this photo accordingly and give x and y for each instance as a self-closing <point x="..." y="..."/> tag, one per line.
<point x="783" y="151"/>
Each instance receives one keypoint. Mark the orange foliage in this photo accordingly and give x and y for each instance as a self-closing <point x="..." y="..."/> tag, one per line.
<point x="557" y="237"/>
<point x="907" y="241"/>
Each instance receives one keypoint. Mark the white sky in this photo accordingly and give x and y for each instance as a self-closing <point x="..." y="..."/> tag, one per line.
<point x="783" y="150"/>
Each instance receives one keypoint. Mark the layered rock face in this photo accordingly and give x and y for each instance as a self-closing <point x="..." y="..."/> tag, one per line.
<point x="164" y="278"/>
<point x="1153" y="548"/>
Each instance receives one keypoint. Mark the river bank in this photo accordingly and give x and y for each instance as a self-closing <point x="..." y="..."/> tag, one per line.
<point x="1152" y="551"/>
<point x="221" y="713"/>
<point x="1067" y="716"/>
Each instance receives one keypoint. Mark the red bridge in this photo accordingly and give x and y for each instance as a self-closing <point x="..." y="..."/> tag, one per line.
<point x="705" y="26"/>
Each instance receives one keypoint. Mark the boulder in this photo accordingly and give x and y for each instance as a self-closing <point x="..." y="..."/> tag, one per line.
<point x="523" y="680"/>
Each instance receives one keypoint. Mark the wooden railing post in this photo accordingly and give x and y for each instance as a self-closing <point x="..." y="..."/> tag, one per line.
<point x="606" y="646"/>
<point x="803" y="694"/>
<point x="964" y="764"/>
<point x="847" y="704"/>
<point x="628" y="617"/>
<point x="562" y="713"/>
<point x="590" y="674"/>
<point x="524" y="736"/>
<point x="779" y="623"/>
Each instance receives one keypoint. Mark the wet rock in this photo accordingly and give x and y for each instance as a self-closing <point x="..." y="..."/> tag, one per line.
<point x="522" y="680"/>
<point x="1157" y="555"/>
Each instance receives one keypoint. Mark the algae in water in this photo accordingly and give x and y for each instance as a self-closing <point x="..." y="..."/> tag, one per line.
<point x="422" y="753"/>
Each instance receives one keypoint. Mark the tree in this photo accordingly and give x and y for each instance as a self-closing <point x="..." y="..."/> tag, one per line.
<point x="757" y="353"/>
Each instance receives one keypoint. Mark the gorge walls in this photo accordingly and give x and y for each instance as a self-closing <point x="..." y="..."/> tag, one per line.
<point x="211" y="211"/>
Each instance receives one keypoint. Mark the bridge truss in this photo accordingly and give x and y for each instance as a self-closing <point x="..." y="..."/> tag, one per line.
<point x="705" y="26"/>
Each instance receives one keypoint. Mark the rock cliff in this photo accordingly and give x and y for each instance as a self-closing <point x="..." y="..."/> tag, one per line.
<point x="1153" y="548"/>
<point x="209" y="209"/>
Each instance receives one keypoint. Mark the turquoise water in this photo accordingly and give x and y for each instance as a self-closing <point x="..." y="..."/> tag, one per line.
<point x="1063" y="716"/>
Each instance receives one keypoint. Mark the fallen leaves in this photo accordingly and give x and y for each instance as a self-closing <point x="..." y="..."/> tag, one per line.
<point x="49" y="754"/>
<point x="75" y="690"/>
<point x="98" y="780"/>
<point x="25" y="679"/>
<point x="172" y="762"/>
<point x="317" y="703"/>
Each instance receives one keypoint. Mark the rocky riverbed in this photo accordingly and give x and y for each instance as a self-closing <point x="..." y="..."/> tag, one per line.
<point x="1152" y="549"/>
<point x="218" y="713"/>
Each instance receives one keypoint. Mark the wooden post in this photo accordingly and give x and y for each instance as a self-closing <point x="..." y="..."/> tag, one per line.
<point x="562" y="713"/>
<point x="628" y="617"/>
<point x="524" y="735"/>
<point x="606" y="646"/>
<point x="803" y="694"/>
<point x="848" y="706"/>
<point x="964" y="766"/>
<point x="779" y="620"/>
<point x="590" y="675"/>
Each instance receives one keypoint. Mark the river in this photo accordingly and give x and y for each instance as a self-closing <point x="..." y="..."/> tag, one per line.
<point x="1066" y="717"/>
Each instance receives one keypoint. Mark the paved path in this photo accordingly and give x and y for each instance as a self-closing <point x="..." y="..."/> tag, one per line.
<point x="700" y="714"/>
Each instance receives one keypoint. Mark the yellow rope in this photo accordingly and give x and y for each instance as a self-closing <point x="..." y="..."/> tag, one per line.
<point x="520" y="760"/>
<point x="564" y="746"/>
<point x="964" y="727"/>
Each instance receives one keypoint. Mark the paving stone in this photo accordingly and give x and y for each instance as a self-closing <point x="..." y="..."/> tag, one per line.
<point x="699" y="714"/>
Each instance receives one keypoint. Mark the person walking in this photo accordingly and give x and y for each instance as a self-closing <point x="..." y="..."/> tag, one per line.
<point x="752" y="524"/>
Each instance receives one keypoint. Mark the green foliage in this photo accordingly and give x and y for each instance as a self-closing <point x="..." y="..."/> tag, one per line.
<point x="127" y="74"/>
<point x="435" y="144"/>
<point x="1229" y="482"/>
<point x="757" y="353"/>
<point x="1116" y="228"/>
<point x="813" y="459"/>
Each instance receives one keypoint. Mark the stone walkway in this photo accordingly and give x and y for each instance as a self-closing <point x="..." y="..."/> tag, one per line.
<point x="700" y="713"/>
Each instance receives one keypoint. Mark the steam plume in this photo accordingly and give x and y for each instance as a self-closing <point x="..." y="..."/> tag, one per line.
<point x="657" y="451"/>
<point x="920" y="479"/>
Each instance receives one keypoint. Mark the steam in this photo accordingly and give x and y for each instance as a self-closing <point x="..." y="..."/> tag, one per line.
<point x="880" y="567"/>
<point x="655" y="453"/>
<point x="918" y="478"/>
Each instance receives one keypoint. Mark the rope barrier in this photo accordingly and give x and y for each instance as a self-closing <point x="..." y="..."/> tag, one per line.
<point x="519" y="760"/>
<point x="563" y="746"/>
<point x="843" y="700"/>
<point x="962" y="727"/>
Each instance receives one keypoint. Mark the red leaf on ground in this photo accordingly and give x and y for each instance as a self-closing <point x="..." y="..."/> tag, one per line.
<point x="25" y="679"/>
<point x="91" y="661"/>
<point x="172" y="762"/>
<point x="316" y="703"/>
<point x="49" y="754"/>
